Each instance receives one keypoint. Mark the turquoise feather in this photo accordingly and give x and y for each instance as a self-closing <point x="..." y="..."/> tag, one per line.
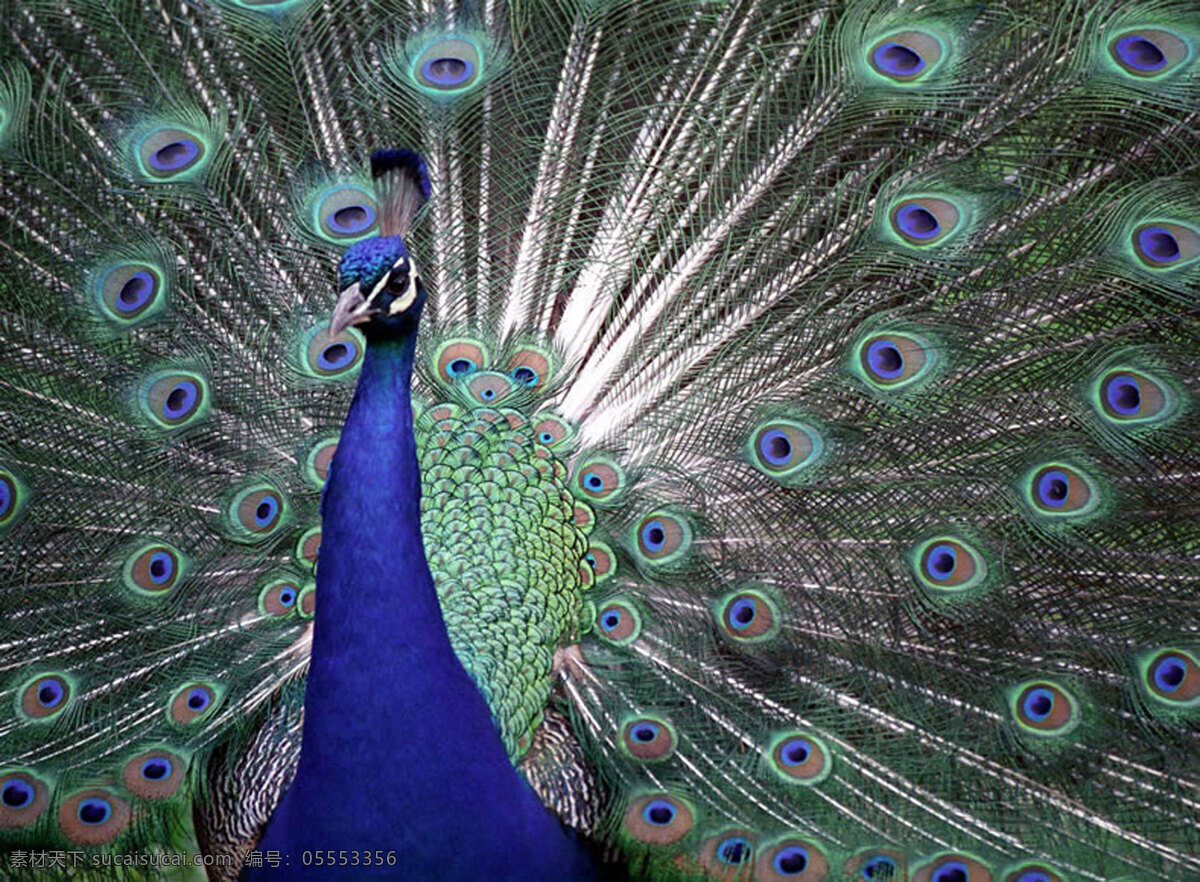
<point x="804" y="404"/>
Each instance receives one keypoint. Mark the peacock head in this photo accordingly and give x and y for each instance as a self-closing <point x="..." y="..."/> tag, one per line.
<point x="380" y="289"/>
<point x="379" y="283"/>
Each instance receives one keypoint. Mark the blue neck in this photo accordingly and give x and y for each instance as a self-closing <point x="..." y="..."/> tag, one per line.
<point x="399" y="751"/>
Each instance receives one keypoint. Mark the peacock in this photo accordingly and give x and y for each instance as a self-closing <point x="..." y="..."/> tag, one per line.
<point x="572" y="439"/>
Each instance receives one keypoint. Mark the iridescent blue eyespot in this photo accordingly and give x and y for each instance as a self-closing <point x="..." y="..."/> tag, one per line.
<point x="50" y="694"/>
<point x="198" y="700"/>
<point x="644" y="732"/>
<point x="885" y="360"/>
<point x="1053" y="486"/>
<point x="161" y="567"/>
<point x="917" y="222"/>
<point x="941" y="562"/>
<point x="795" y="752"/>
<point x="592" y="481"/>
<point x="735" y="850"/>
<point x="16" y="794"/>
<point x="1033" y="876"/>
<point x="1172" y="676"/>
<point x="658" y="812"/>
<point x="180" y="400"/>
<point x="287" y="596"/>
<point x="546" y="437"/>
<point x="1158" y="245"/>
<point x="894" y="58"/>
<point x="45" y="696"/>
<point x="1149" y="53"/>
<point x="1123" y="395"/>
<point x="1038" y="704"/>
<point x="799" y="758"/>
<point x="94" y="811"/>
<point x="350" y="220"/>
<point x="8" y="495"/>
<point x="775" y="447"/>
<point x="447" y="71"/>
<point x="449" y="65"/>
<point x="166" y="152"/>
<point x="618" y="622"/>
<point x="460" y="367"/>
<point x="658" y="819"/>
<point x="1169" y="673"/>
<point x="951" y="871"/>
<point x="336" y="356"/>
<point x="265" y="511"/>
<point x="1165" y="245"/>
<point x="175" y="155"/>
<point x="905" y="57"/>
<point x="1138" y="52"/>
<point x="525" y="375"/>
<point x="654" y="536"/>
<point x="156" y="768"/>
<point x="791" y="861"/>
<point x="742" y="613"/>
<point x="879" y="868"/>
<point x="135" y="293"/>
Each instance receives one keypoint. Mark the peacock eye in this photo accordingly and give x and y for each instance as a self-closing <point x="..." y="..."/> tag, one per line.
<point x="1148" y="53"/>
<point x="397" y="283"/>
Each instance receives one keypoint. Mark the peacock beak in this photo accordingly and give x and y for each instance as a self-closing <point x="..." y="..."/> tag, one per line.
<point x="352" y="308"/>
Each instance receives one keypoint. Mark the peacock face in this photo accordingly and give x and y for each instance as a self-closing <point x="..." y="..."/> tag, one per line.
<point x="380" y="287"/>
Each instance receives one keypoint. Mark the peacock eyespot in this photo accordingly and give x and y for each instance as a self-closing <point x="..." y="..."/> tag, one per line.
<point x="448" y="66"/>
<point x="648" y="738"/>
<point x="459" y="358"/>
<point x="45" y="697"/>
<point x="318" y="460"/>
<point x="168" y="153"/>
<point x="791" y="858"/>
<point x="662" y="538"/>
<point x="600" y="480"/>
<point x="130" y="291"/>
<point x="175" y="399"/>
<point x="879" y="867"/>
<point x="192" y="704"/>
<point x="278" y="598"/>
<point x="894" y="361"/>
<point x="488" y="388"/>
<point x="1062" y="491"/>
<point x="1043" y="708"/>
<point x="153" y="774"/>
<point x="308" y="548"/>
<point x="1032" y="872"/>
<point x="953" y="868"/>
<point x="1148" y="53"/>
<point x="1164" y="245"/>
<point x="153" y="569"/>
<point x="23" y="799"/>
<point x="1172" y="676"/>
<point x="601" y="560"/>
<point x="783" y="448"/>
<point x="947" y="563"/>
<point x="906" y="57"/>
<point x="307" y="601"/>
<point x="93" y="817"/>
<point x="747" y="616"/>
<point x="529" y="367"/>
<point x="552" y="431"/>
<point x="257" y="512"/>
<point x="618" y="622"/>
<point x="345" y="213"/>
<point x="1129" y="397"/>
<point x="924" y="220"/>
<point x="12" y="497"/>
<point x="728" y="855"/>
<point x="800" y="758"/>
<point x="658" y="819"/>
<point x="327" y="357"/>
